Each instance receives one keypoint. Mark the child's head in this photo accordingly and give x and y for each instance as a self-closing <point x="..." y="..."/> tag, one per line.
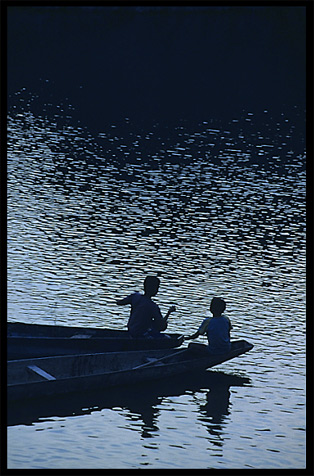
<point x="151" y="285"/>
<point x="217" y="306"/>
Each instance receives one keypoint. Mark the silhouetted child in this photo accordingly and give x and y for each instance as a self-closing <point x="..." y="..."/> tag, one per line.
<point x="145" y="318"/>
<point x="217" y="328"/>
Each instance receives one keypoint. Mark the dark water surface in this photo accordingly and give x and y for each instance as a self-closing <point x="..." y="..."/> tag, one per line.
<point x="213" y="208"/>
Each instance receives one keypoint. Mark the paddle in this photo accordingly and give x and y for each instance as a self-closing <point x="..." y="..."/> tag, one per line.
<point x="153" y="362"/>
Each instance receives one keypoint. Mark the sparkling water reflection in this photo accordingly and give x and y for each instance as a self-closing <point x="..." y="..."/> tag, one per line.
<point x="213" y="209"/>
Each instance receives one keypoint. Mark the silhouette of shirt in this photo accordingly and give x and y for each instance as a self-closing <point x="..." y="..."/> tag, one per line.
<point x="145" y="314"/>
<point x="218" y="333"/>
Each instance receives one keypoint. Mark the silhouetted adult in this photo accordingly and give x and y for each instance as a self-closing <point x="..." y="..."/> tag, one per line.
<point x="146" y="319"/>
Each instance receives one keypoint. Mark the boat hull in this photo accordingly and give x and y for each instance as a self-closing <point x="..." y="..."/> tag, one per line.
<point x="23" y="329"/>
<point x="31" y="378"/>
<point x="34" y="340"/>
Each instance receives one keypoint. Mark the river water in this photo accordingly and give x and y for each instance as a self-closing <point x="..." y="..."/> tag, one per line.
<point x="214" y="208"/>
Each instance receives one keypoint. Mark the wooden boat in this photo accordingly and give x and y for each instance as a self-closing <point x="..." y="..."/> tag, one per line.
<point x="35" y="340"/>
<point x="29" y="378"/>
<point x="22" y="329"/>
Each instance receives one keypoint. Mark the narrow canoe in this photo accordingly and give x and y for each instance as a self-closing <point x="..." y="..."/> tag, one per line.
<point x="26" y="341"/>
<point x="31" y="378"/>
<point x="23" y="329"/>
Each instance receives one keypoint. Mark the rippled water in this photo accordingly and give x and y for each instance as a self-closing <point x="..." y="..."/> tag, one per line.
<point x="213" y="208"/>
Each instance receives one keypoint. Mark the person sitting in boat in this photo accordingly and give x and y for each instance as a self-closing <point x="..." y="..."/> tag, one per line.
<point x="216" y="327"/>
<point x="146" y="319"/>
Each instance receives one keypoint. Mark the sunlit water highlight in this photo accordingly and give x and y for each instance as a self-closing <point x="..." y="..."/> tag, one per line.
<point x="212" y="208"/>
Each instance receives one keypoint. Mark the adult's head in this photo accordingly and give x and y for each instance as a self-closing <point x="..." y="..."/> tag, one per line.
<point x="151" y="285"/>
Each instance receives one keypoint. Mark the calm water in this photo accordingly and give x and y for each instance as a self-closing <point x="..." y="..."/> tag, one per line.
<point x="213" y="208"/>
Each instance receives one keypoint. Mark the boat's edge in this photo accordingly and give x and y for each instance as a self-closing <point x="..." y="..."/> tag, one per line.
<point x="103" y="332"/>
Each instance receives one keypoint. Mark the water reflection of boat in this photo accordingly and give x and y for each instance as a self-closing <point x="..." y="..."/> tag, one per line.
<point x="142" y="401"/>
<point x="214" y="412"/>
<point x="29" y="378"/>
<point x="26" y="341"/>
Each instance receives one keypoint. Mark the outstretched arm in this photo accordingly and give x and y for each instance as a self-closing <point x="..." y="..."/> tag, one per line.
<point x="200" y="331"/>
<point x="161" y="323"/>
<point x="122" y="302"/>
<point x="193" y="336"/>
<point x="170" y="310"/>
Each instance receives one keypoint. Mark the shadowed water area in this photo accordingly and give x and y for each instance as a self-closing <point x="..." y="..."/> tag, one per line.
<point x="215" y="208"/>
